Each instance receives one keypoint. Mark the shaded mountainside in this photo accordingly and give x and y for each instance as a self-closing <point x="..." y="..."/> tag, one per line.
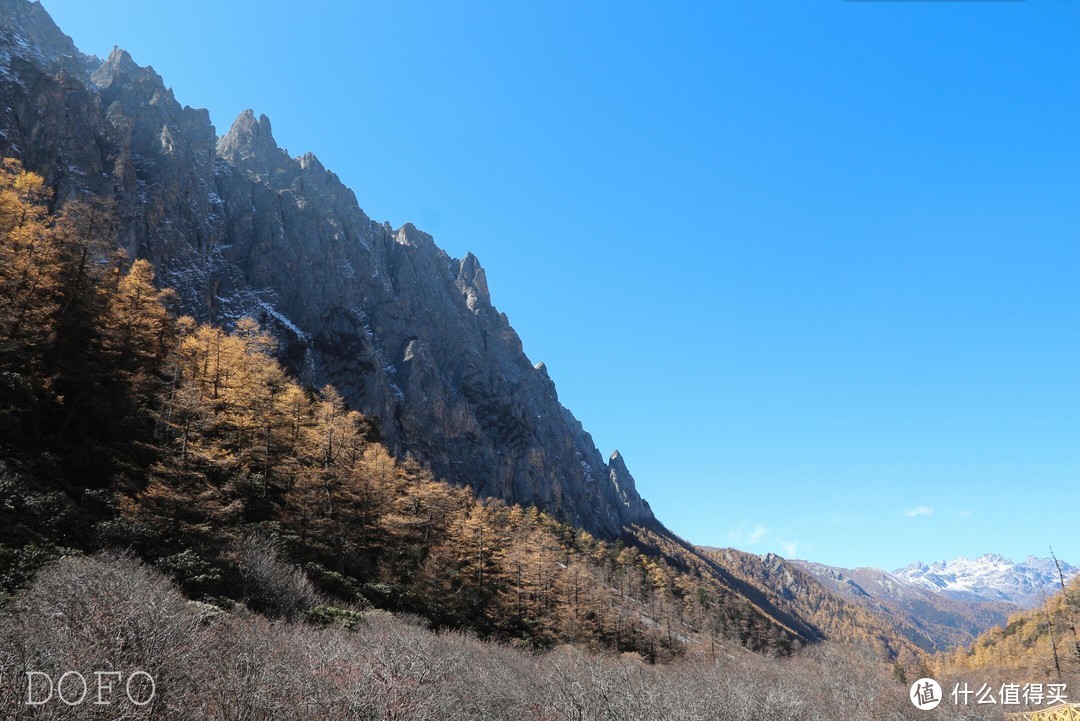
<point x="792" y="589"/>
<point x="124" y="427"/>
<point x="239" y="228"/>
<point x="932" y="621"/>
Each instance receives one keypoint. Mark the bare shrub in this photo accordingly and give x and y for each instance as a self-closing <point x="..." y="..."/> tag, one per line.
<point x="112" y="612"/>
<point x="272" y="585"/>
<point x="105" y="613"/>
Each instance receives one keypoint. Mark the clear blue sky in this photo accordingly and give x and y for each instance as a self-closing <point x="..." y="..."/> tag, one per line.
<point x="812" y="266"/>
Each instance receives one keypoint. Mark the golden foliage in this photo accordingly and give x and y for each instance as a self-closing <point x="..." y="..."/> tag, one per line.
<point x="1044" y="641"/>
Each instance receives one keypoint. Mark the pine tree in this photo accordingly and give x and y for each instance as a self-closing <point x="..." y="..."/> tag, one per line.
<point x="31" y="268"/>
<point x="136" y="330"/>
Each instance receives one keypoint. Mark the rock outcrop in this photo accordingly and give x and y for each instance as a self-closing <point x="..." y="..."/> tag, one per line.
<point x="240" y="228"/>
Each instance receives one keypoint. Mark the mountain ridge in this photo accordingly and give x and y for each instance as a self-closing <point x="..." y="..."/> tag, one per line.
<point x="407" y="333"/>
<point x="990" y="577"/>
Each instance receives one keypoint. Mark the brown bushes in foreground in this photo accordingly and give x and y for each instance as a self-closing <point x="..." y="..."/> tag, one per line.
<point x="113" y="613"/>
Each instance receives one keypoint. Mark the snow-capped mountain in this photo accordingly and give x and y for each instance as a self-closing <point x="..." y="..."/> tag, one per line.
<point x="990" y="577"/>
<point x="931" y="620"/>
<point x="946" y="604"/>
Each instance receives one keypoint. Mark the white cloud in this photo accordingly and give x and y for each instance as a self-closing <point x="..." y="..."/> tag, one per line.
<point x="757" y="535"/>
<point x="790" y="548"/>
<point x="744" y="535"/>
<point x="920" y="511"/>
<point x="963" y="514"/>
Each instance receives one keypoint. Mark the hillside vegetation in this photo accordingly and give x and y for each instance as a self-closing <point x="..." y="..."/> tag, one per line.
<point x="790" y="588"/>
<point x="124" y="427"/>
<point x="86" y="613"/>
<point x="1043" y="641"/>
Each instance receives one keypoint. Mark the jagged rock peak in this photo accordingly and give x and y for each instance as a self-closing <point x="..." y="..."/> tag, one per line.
<point x="409" y="234"/>
<point x="636" y="508"/>
<point x="309" y="162"/>
<point x="120" y="59"/>
<point x="249" y="138"/>
<point x="542" y="371"/>
<point x="405" y="332"/>
<point x="472" y="280"/>
<point x="120" y="69"/>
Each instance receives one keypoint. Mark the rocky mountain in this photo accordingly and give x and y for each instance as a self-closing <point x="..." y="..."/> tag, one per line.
<point x="932" y="621"/>
<point x="408" y="334"/>
<point x="990" y="578"/>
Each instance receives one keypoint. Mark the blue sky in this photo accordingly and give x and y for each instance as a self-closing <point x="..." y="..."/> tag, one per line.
<point x="811" y="266"/>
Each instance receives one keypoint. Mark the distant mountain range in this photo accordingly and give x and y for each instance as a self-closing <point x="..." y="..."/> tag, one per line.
<point x="990" y="578"/>
<point x="889" y="611"/>
<point x="947" y="603"/>
<point x="1039" y="640"/>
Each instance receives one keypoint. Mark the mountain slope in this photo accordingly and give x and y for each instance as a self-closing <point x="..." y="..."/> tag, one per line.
<point x="408" y="334"/>
<point x="123" y="427"/>
<point x="793" y="589"/>
<point x="931" y="621"/>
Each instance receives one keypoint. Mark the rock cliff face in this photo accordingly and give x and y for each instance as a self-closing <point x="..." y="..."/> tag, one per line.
<point x="406" y="333"/>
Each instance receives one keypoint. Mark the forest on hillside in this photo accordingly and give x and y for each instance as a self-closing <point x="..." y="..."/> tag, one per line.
<point x="125" y="427"/>
<point x="1043" y="642"/>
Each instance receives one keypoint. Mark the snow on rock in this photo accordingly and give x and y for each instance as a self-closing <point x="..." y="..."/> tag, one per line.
<point x="285" y="322"/>
<point x="990" y="577"/>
